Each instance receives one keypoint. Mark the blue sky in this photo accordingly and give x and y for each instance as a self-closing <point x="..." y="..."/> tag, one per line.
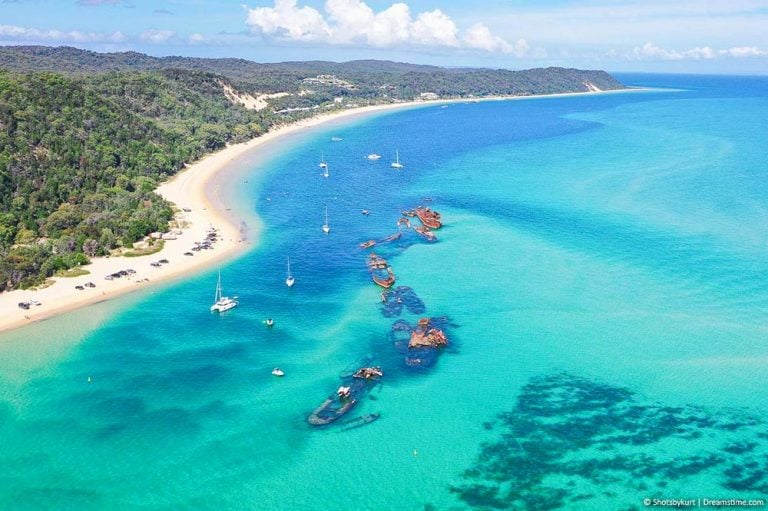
<point x="631" y="35"/>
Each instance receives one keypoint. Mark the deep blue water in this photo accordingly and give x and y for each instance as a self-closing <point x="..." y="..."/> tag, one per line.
<point x="603" y="270"/>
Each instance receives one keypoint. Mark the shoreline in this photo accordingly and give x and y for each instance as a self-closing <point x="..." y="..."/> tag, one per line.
<point x="191" y="190"/>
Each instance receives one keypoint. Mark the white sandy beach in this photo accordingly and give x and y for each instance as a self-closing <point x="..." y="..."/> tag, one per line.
<point x="190" y="189"/>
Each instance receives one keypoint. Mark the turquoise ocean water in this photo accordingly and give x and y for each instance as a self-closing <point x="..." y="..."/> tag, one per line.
<point x="604" y="269"/>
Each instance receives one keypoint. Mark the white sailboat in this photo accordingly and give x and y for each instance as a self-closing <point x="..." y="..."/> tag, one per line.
<point x="326" y="227"/>
<point x="323" y="164"/>
<point x="396" y="164"/>
<point x="222" y="303"/>
<point x="325" y="171"/>
<point x="289" y="280"/>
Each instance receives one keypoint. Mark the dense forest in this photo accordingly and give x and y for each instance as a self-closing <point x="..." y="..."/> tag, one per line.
<point x="86" y="137"/>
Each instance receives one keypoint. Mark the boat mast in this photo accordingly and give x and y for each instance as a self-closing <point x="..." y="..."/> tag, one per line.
<point x="289" y="267"/>
<point x="218" y="289"/>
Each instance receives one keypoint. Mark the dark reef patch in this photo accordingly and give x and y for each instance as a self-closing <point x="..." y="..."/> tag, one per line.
<point x="571" y="441"/>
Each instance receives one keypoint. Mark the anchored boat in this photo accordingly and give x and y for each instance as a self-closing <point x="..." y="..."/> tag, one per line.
<point x="396" y="164"/>
<point x="222" y="303"/>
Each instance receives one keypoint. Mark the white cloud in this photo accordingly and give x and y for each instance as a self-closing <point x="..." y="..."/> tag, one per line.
<point x="285" y="19"/>
<point x="744" y="51"/>
<point x="650" y="51"/>
<point x="197" y="38"/>
<point x="434" y="28"/>
<point x="354" y="22"/>
<point x="156" y="36"/>
<point x="13" y="32"/>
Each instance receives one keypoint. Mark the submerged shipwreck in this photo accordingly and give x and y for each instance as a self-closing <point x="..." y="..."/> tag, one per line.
<point x="428" y="217"/>
<point x="420" y="344"/>
<point x="346" y="396"/>
<point x="425" y="233"/>
<point x="395" y="300"/>
<point x="381" y="272"/>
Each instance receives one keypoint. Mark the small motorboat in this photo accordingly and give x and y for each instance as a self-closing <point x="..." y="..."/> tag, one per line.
<point x="374" y="156"/>
<point x="269" y="322"/>
<point x="365" y="212"/>
<point x="278" y="372"/>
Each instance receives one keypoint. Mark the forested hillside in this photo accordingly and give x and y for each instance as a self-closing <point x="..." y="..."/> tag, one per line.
<point x="86" y="137"/>
<point x="370" y="77"/>
<point x="80" y="158"/>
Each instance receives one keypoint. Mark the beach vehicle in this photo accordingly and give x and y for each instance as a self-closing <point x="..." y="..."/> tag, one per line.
<point x="396" y="164"/>
<point x="24" y="305"/>
<point x="90" y="284"/>
<point x="222" y="303"/>
<point x="188" y="254"/>
<point x="326" y="227"/>
<point x="373" y="156"/>
<point x="277" y="372"/>
<point x="289" y="280"/>
<point x="79" y="287"/>
<point x="360" y="421"/>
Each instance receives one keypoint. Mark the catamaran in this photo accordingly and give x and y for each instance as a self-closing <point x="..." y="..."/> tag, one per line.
<point x="396" y="164"/>
<point x="289" y="281"/>
<point x="326" y="227"/>
<point x="222" y="303"/>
